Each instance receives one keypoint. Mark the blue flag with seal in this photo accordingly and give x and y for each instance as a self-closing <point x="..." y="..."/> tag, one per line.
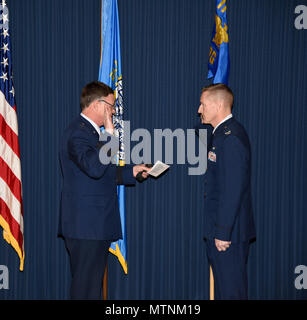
<point x="110" y="73"/>
<point x="219" y="55"/>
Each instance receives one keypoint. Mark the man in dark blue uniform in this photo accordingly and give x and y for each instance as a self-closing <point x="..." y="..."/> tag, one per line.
<point x="229" y="224"/>
<point x="89" y="214"/>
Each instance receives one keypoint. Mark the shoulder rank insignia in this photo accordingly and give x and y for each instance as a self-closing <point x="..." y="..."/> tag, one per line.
<point x="227" y="131"/>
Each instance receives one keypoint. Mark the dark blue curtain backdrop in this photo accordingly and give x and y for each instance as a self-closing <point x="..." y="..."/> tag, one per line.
<point x="165" y="46"/>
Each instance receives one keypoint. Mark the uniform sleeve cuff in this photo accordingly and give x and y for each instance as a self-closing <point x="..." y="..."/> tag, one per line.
<point x="127" y="175"/>
<point x="222" y="233"/>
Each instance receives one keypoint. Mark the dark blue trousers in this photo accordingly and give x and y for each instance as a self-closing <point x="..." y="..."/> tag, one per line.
<point x="229" y="270"/>
<point x="88" y="259"/>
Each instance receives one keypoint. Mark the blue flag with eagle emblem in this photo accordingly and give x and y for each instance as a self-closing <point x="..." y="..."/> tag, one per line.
<point x="110" y="73"/>
<point x="219" y="55"/>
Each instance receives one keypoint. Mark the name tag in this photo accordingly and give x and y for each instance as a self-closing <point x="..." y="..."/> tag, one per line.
<point x="212" y="156"/>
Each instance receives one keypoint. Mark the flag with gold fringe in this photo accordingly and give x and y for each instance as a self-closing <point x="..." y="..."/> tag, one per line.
<point x="110" y="73"/>
<point x="11" y="211"/>
<point x="219" y="50"/>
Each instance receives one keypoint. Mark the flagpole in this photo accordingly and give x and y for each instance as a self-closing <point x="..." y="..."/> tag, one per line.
<point x="105" y="283"/>
<point x="211" y="284"/>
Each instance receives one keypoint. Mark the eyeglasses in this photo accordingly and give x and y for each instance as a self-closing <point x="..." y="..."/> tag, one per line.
<point x="109" y="104"/>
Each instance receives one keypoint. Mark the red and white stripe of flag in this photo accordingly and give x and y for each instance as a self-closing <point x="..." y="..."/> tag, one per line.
<point x="11" y="211"/>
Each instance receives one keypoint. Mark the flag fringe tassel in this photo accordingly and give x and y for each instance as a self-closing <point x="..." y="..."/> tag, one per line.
<point x="7" y="235"/>
<point x="120" y="258"/>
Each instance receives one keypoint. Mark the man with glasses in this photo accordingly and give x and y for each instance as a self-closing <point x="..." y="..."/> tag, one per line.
<point x="89" y="214"/>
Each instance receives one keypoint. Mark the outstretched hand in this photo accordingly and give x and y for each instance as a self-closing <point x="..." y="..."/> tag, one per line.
<point x="139" y="168"/>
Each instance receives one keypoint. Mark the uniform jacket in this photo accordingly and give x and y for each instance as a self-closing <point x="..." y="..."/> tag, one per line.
<point x="89" y="205"/>
<point x="228" y="201"/>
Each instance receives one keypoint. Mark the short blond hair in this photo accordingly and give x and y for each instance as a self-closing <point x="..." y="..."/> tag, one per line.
<point x="222" y="91"/>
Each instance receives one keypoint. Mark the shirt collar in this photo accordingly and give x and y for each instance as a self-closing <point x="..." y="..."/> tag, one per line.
<point x="94" y="124"/>
<point x="225" y="119"/>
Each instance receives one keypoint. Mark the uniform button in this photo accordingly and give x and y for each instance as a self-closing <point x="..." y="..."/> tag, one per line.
<point x="205" y="195"/>
<point x="206" y="181"/>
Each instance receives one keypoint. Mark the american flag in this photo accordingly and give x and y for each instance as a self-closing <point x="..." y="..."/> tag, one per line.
<point x="11" y="212"/>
